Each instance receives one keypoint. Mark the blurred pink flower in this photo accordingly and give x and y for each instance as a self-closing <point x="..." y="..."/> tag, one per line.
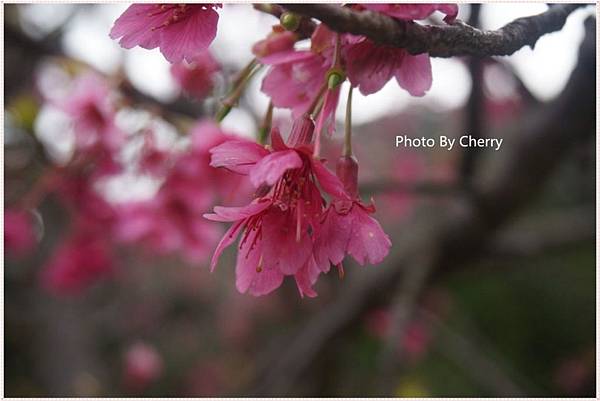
<point x="181" y="31"/>
<point x="153" y="160"/>
<point x="77" y="263"/>
<point x="196" y="78"/>
<point x="19" y="236"/>
<point x="370" y="67"/>
<point x="97" y="138"/>
<point x="414" y="11"/>
<point x="143" y="366"/>
<point x="172" y="221"/>
<point x="275" y="227"/>
<point x="416" y="340"/>
<point x="90" y="107"/>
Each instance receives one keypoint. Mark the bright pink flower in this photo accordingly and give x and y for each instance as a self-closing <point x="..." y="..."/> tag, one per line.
<point x="276" y="227"/>
<point x="181" y="31"/>
<point x="414" y="11"/>
<point x="143" y="366"/>
<point x="370" y="67"/>
<point x="197" y="78"/>
<point x="78" y="263"/>
<point x="19" y="236"/>
<point x="348" y="228"/>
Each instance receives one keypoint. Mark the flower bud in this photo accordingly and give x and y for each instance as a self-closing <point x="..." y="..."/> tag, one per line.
<point x="347" y="171"/>
<point x="302" y="131"/>
<point x="290" y="21"/>
<point x="335" y="77"/>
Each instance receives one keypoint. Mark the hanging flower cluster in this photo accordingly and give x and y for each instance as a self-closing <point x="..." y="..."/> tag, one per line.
<point x="288" y="230"/>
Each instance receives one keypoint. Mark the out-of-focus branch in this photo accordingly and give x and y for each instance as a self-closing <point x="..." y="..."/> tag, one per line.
<point x="475" y="110"/>
<point x="471" y="357"/>
<point x="537" y="237"/>
<point x="458" y="232"/>
<point x="457" y="39"/>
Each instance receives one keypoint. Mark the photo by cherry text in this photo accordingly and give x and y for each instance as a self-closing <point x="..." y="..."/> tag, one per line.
<point x="448" y="143"/>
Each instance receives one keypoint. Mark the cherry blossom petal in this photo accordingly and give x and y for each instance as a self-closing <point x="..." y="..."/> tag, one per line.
<point x="332" y="239"/>
<point x="134" y="27"/>
<point x="281" y="247"/>
<point x="370" y="66"/>
<point x="228" y="239"/>
<point x="238" y="156"/>
<point x="272" y="167"/>
<point x="236" y="213"/>
<point x="251" y="275"/>
<point x="368" y="243"/>
<point x="190" y="38"/>
<point x="329" y="181"/>
<point x="414" y="74"/>
<point x="306" y="277"/>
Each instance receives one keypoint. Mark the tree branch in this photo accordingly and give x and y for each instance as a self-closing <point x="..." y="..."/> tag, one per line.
<point x="457" y="39"/>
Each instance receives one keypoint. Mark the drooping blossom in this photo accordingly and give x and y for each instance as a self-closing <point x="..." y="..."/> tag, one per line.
<point x="80" y="261"/>
<point x="19" y="235"/>
<point x="347" y="227"/>
<point x="172" y="219"/>
<point x="143" y="366"/>
<point x="370" y="67"/>
<point x="414" y="11"/>
<point x="275" y="229"/>
<point x="297" y="77"/>
<point x="196" y="78"/>
<point x="181" y="31"/>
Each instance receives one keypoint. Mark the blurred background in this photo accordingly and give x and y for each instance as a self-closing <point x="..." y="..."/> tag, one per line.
<point x="508" y="310"/>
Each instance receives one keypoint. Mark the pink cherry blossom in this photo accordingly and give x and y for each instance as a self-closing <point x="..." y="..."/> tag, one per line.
<point x="296" y="76"/>
<point x="414" y="11"/>
<point x="197" y="78"/>
<point x="19" y="236"/>
<point x="348" y="228"/>
<point x="275" y="228"/>
<point x="77" y="263"/>
<point x="181" y="31"/>
<point x="371" y="66"/>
